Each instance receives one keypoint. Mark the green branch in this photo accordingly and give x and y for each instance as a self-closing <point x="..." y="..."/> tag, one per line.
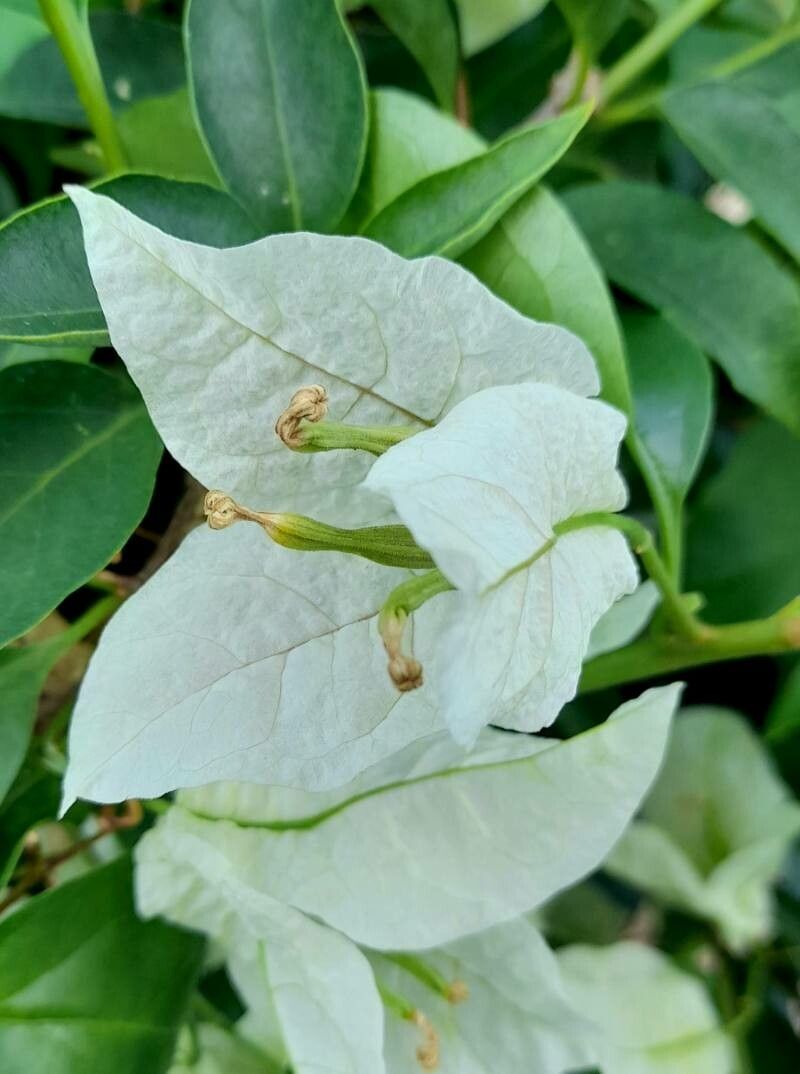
<point x="652" y="46"/>
<point x="663" y="653"/>
<point x="71" y="31"/>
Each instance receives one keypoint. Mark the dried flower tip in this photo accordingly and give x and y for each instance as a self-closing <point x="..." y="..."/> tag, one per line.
<point x="428" y="1051"/>
<point x="307" y="404"/>
<point x="404" y="671"/>
<point x="222" y="510"/>
<point x="457" y="992"/>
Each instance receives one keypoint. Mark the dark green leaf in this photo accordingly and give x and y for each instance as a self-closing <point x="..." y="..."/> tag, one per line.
<point x="718" y="285"/>
<point x="22" y="675"/>
<point x="139" y="58"/>
<point x="8" y="196"/>
<point x="743" y="530"/>
<point x="428" y="30"/>
<point x="451" y="210"/>
<point x="509" y="81"/>
<point x="783" y="721"/>
<point x="33" y="798"/>
<point x="743" y="138"/>
<point x="483" y="23"/>
<point x="47" y="292"/>
<point x="672" y="397"/>
<point x="536" y="259"/>
<point x="86" y="987"/>
<point x="286" y="122"/>
<point x="78" y="461"/>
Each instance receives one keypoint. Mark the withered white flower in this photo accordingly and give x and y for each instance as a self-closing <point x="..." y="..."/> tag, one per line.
<point x="507" y="493"/>
<point x="240" y="660"/>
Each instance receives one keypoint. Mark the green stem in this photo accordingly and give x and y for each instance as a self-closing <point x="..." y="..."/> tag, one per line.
<point x="755" y="53"/>
<point x="652" y="46"/>
<point x="582" y="62"/>
<point x="668" y="513"/>
<point x="645" y="105"/>
<point x="424" y="973"/>
<point x="74" y="39"/>
<point x="411" y="595"/>
<point x="662" y="654"/>
<point x="684" y="622"/>
<point x="395" y="1003"/>
<point x="335" y="436"/>
<point x="86" y="623"/>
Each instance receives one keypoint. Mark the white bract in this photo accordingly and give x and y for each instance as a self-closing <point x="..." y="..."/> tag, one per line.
<point x="424" y="854"/>
<point x="435" y="854"/>
<point x="219" y="340"/>
<point x="715" y="829"/>
<point x="516" y="1017"/>
<point x="649" y="1017"/>
<point x="485" y="492"/>
<point x="244" y="661"/>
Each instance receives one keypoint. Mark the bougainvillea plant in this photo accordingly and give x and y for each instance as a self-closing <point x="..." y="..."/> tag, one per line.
<point x="400" y="407"/>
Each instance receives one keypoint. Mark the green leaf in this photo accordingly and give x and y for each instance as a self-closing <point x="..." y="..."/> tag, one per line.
<point x="8" y="195"/>
<point x="139" y="57"/>
<point x="672" y="396"/>
<point x="210" y="1049"/>
<point x="742" y="548"/>
<point x="286" y="123"/>
<point x="33" y="798"/>
<point x="159" y="135"/>
<point x="784" y="717"/>
<point x="79" y="457"/>
<point x="47" y="292"/>
<point x="536" y="259"/>
<point x="592" y="24"/>
<point x="483" y="23"/>
<point x="409" y="140"/>
<point x="429" y="32"/>
<point x="450" y="211"/>
<point x="743" y="138"/>
<point x="14" y="353"/>
<point x="509" y="81"/>
<point x="86" y="986"/>
<point x="22" y="675"/>
<point x="718" y="285"/>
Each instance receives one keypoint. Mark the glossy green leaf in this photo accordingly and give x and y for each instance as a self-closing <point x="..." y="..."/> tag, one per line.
<point x="47" y="292"/>
<point x="784" y="716"/>
<point x="33" y="798"/>
<point x="483" y="23"/>
<point x="139" y="57"/>
<point x="286" y="123"/>
<point x="450" y="211"/>
<point x="409" y="140"/>
<point x="429" y="32"/>
<point x="536" y="259"/>
<point x="718" y="285"/>
<point x="160" y="135"/>
<point x="593" y="24"/>
<point x="79" y="457"/>
<point x="742" y="542"/>
<point x="672" y="397"/>
<point x="743" y="138"/>
<point x="86" y="986"/>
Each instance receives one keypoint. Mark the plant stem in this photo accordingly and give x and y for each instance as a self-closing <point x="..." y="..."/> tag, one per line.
<point x="684" y="622"/>
<point x="755" y="53"/>
<point x="74" y="39"/>
<point x="660" y="654"/>
<point x="668" y="513"/>
<point x="653" y="46"/>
